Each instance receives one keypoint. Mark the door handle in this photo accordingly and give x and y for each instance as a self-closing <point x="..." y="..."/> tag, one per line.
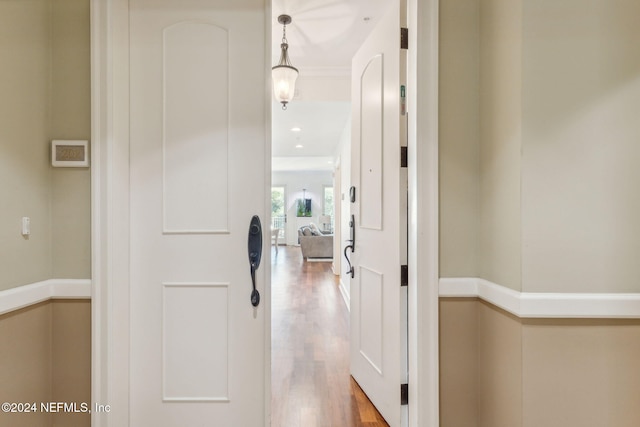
<point x="352" y="232"/>
<point x="350" y="271"/>
<point x="255" y="255"/>
<point x="352" y="240"/>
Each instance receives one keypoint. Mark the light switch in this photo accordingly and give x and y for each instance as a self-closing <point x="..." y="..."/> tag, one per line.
<point x="26" y="226"/>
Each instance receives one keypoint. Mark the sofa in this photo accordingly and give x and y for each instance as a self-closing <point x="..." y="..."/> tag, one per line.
<point x="315" y="244"/>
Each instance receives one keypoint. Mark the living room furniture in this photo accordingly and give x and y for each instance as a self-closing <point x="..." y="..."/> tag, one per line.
<point x="315" y="244"/>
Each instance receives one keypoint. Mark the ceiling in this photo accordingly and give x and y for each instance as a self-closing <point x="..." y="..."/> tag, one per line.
<point x="323" y="37"/>
<point x="321" y="124"/>
<point x="324" y="33"/>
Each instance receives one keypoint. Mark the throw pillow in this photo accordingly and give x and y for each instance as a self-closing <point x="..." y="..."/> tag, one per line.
<point x="307" y="231"/>
<point x="314" y="229"/>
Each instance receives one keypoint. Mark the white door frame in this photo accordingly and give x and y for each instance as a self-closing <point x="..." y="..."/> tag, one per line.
<point x="336" y="265"/>
<point x="110" y="212"/>
<point x="424" y="386"/>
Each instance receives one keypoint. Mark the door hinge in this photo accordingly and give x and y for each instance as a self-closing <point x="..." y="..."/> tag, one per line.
<point x="404" y="38"/>
<point x="404" y="394"/>
<point x="404" y="275"/>
<point x="403" y="157"/>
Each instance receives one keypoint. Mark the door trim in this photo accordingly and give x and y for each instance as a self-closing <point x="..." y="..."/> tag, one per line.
<point x="110" y="210"/>
<point x="337" y="218"/>
<point x="423" y="213"/>
<point x="267" y="208"/>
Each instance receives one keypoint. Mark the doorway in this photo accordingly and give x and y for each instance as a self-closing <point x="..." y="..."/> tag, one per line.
<point x="310" y="353"/>
<point x="311" y="137"/>
<point x="110" y="196"/>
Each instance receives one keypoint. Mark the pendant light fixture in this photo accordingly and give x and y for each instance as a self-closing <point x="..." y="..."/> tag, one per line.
<point x="284" y="74"/>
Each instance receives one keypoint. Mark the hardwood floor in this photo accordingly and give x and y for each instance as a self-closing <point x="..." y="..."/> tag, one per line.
<point x="311" y="385"/>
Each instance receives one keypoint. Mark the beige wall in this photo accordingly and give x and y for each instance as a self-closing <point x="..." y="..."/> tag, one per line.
<point x="44" y="81"/>
<point x="500" y="138"/>
<point x="581" y="373"/>
<point x="498" y="370"/>
<point x="481" y="359"/>
<point x="458" y="362"/>
<point x="25" y="363"/>
<point x="45" y="356"/>
<point x="539" y="144"/>
<point x="71" y="119"/>
<point x="480" y="139"/>
<point x="558" y="100"/>
<point x="581" y="146"/>
<point x="25" y="188"/>
<point x="459" y="91"/>
<point x="71" y="358"/>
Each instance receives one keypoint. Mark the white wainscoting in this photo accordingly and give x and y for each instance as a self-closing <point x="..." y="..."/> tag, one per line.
<point x="544" y="305"/>
<point x="24" y="296"/>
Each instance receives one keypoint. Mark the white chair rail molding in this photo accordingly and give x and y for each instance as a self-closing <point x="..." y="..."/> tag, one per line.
<point x="26" y="295"/>
<point x="544" y="305"/>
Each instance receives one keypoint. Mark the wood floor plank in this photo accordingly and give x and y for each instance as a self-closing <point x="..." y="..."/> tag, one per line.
<point x="311" y="384"/>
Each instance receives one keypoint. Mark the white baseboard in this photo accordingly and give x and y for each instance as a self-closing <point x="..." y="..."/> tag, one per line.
<point x="24" y="296"/>
<point x="345" y="295"/>
<point x="544" y="305"/>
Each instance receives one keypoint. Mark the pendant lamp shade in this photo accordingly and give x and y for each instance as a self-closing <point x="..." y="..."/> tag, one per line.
<point x="284" y="83"/>
<point x="284" y="74"/>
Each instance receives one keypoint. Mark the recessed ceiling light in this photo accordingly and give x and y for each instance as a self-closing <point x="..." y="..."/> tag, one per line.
<point x="295" y="129"/>
<point x="299" y="146"/>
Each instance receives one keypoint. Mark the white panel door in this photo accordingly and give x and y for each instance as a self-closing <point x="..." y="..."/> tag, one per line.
<point x="377" y="322"/>
<point x="197" y="156"/>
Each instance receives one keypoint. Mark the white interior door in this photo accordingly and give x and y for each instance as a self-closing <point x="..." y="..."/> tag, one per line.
<point x="198" y="174"/>
<point x="378" y="321"/>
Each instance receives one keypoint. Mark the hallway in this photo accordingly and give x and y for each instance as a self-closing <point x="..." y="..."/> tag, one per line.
<point x="311" y="385"/>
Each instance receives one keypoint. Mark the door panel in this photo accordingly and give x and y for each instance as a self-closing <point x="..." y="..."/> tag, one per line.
<point x="195" y="350"/>
<point x="371" y="120"/>
<point x="370" y="338"/>
<point x="376" y="319"/>
<point x="195" y="82"/>
<point x="197" y="108"/>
